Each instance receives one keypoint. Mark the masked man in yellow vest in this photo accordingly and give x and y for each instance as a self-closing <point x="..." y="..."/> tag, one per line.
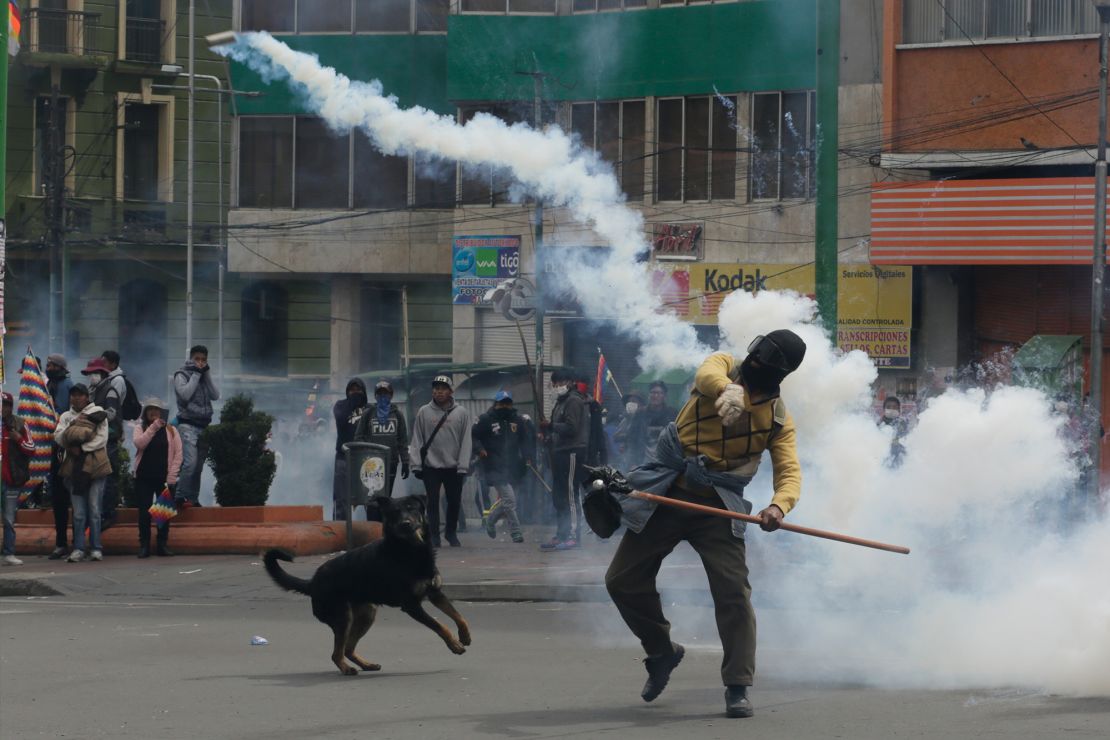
<point x="708" y="456"/>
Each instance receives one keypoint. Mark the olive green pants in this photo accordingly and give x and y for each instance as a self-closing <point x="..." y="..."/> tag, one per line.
<point x="631" y="582"/>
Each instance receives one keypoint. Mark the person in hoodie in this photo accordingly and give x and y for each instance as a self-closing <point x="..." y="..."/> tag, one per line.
<point x="157" y="464"/>
<point x="16" y="441"/>
<point x="569" y="433"/>
<point x="501" y="442"/>
<point x="441" y="444"/>
<point x="195" y="391"/>
<point x="384" y="424"/>
<point x="82" y="432"/>
<point x="105" y="392"/>
<point x="348" y="412"/>
<point x="58" y="385"/>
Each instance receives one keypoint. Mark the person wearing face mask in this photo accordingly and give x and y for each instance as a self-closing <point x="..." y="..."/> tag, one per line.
<point x="892" y="417"/>
<point x="629" y="437"/>
<point x="569" y="432"/>
<point x="347" y="412"/>
<point x="500" y="442"/>
<point x="105" y="393"/>
<point x="382" y="423"/>
<point x="708" y="456"/>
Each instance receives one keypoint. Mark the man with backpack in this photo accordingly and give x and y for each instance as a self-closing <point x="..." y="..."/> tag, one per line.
<point x="17" y="450"/>
<point x="195" y="391"/>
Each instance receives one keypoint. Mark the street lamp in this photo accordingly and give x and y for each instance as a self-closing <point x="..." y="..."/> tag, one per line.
<point x="1098" y="266"/>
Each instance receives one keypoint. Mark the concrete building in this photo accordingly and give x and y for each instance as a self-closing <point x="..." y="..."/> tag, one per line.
<point x="705" y="109"/>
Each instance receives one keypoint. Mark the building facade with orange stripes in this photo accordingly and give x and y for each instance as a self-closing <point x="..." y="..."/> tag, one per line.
<point x="990" y="115"/>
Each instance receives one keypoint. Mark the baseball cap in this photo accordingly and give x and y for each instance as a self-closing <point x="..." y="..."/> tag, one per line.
<point x="384" y="385"/>
<point x="442" y="380"/>
<point x="502" y="396"/>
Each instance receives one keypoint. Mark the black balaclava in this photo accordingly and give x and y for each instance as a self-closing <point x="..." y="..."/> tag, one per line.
<point x="778" y="353"/>
<point x="360" y="399"/>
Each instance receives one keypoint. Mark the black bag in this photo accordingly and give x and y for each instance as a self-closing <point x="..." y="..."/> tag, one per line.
<point x="600" y="507"/>
<point x="130" y="407"/>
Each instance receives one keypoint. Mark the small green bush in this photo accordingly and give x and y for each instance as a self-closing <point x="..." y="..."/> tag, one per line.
<point x="125" y="478"/>
<point x="237" y="454"/>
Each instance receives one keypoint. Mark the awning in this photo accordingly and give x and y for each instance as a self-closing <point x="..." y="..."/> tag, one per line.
<point x="1036" y="221"/>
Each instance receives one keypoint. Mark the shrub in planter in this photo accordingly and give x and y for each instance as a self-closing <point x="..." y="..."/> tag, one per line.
<point x="237" y="454"/>
<point x="125" y="478"/>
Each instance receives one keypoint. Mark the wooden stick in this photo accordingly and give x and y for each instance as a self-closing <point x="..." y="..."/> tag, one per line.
<point x="540" y="478"/>
<point x="825" y="534"/>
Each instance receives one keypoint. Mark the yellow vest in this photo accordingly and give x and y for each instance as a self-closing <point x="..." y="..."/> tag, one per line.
<point x="739" y="448"/>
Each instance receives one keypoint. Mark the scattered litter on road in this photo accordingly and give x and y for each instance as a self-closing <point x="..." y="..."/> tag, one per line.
<point x="189" y="572"/>
<point x="259" y="640"/>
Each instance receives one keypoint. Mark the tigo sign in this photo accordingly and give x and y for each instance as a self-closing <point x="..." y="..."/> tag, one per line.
<point x="482" y="262"/>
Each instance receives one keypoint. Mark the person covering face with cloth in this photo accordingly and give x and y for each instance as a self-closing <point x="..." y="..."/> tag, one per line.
<point x="158" y="454"/>
<point x="708" y="456"/>
<point x="384" y="424"/>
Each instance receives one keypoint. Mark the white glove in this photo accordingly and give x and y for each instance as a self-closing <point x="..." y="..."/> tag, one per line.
<point x="731" y="404"/>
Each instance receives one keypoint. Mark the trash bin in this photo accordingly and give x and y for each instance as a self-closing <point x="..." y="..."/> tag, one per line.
<point x="367" y="476"/>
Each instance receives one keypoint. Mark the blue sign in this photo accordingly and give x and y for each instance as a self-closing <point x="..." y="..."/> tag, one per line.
<point x="480" y="263"/>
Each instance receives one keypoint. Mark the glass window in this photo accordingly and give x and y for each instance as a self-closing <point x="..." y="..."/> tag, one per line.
<point x="435" y="183"/>
<point x="268" y="15"/>
<point x="724" y="148"/>
<point x="266" y="162"/>
<point x="795" y="149"/>
<point x="483" y="6"/>
<point x="322" y="165"/>
<point x="668" y="177"/>
<point x="765" y="146"/>
<point x="1006" y="18"/>
<point x="324" y="16"/>
<point x="609" y="132"/>
<point x="264" y="317"/>
<point x="483" y="185"/>
<point x="381" y="180"/>
<point x="783" y="156"/>
<point x="431" y="15"/>
<point x="383" y="15"/>
<point x="632" y="148"/>
<point x="963" y="18"/>
<point x="582" y="122"/>
<point x="531" y="6"/>
<point x="697" y="149"/>
<point x="140" y="152"/>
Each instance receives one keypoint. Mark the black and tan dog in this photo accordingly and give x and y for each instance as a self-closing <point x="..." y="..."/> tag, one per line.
<point x="397" y="570"/>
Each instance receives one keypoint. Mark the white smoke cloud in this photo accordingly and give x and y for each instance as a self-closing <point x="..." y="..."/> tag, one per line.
<point x="548" y="163"/>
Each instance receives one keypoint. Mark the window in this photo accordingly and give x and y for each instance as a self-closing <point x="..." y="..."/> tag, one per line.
<point x="50" y="142"/>
<point x="693" y="2"/>
<point x="144" y="31"/>
<point x="143" y="309"/>
<point x="696" y="148"/>
<point x="783" y="153"/>
<point x="321" y="165"/>
<point x="344" y="16"/>
<point x="587" y="6"/>
<point x="276" y="16"/>
<point x="508" y="6"/>
<point x="616" y="131"/>
<point x="380" y="327"/>
<point x="381" y="180"/>
<point x="933" y="21"/>
<point x="140" y="152"/>
<point x="482" y="184"/>
<point x="264" y="329"/>
<point x="266" y="162"/>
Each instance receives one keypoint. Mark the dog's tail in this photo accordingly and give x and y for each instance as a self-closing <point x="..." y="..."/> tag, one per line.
<point x="281" y="578"/>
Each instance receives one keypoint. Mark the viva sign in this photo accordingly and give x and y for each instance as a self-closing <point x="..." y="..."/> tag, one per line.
<point x="480" y="263"/>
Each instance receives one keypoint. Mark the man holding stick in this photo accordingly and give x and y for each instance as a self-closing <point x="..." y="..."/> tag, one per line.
<point x="708" y="456"/>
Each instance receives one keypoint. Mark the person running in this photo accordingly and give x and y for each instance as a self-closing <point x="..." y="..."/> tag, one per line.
<point x="501" y="442"/>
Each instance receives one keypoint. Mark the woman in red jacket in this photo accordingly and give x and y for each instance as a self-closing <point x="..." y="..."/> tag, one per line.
<point x="157" y="463"/>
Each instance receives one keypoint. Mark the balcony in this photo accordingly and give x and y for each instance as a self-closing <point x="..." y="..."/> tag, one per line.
<point x="66" y="37"/>
<point x="144" y="40"/>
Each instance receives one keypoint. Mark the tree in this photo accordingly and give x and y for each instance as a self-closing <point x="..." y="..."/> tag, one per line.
<point x="237" y="453"/>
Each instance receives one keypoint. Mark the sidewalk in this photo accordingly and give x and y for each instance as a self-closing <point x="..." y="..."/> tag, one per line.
<point x="481" y="570"/>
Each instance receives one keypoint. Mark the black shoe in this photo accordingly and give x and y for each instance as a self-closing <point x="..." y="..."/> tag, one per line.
<point x="452" y="540"/>
<point x="659" y="671"/>
<point x="737" y="703"/>
<point x="144" y="551"/>
<point x="163" y="552"/>
<point x="58" y="553"/>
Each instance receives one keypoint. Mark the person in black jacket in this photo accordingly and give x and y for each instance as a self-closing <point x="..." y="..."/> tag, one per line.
<point x="500" y="440"/>
<point x="384" y="424"/>
<point x="569" y="433"/>
<point x="347" y="412"/>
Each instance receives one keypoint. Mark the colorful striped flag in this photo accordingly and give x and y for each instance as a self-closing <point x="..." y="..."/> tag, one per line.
<point x="36" y="408"/>
<point x="603" y="375"/>
<point x="15" y="25"/>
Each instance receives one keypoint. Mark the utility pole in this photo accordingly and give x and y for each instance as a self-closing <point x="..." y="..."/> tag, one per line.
<point x="537" y="238"/>
<point x="54" y="185"/>
<point x="189" y="183"/>
<point x="828" y="87"/>
<point x="1098" y="262"/>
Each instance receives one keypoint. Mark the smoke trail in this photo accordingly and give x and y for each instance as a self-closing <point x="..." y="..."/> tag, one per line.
<point x="547" y="163"/>
<point x="996" y="593"/>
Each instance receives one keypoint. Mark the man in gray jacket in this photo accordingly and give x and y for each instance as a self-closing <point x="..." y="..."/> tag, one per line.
<point x="440" y="452"/>
<point x="195" y="392"/>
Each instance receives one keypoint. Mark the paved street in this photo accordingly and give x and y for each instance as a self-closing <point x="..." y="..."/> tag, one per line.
<point x="161" y="649"/>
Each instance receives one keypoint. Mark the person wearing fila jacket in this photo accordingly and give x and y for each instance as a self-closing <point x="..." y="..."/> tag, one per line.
<point x="384" y="424"/>
<point x="708" y="456"/>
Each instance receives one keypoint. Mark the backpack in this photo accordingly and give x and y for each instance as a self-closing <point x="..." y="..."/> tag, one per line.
<point x="130" y="407"/>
